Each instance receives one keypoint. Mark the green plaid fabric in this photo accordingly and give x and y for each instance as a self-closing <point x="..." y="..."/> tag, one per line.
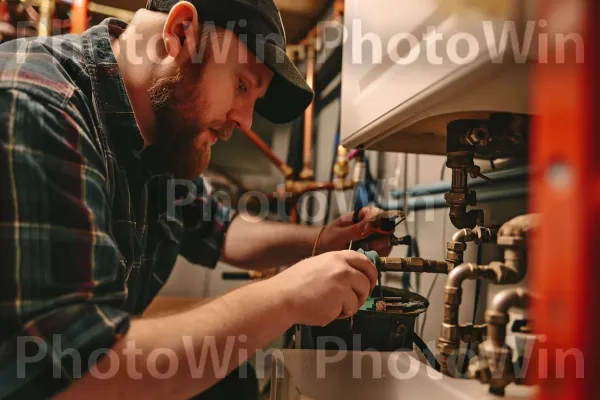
<point x="88" y="235"/>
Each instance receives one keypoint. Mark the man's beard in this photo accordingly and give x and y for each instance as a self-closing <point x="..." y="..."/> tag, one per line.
<point x="176" y="148"/>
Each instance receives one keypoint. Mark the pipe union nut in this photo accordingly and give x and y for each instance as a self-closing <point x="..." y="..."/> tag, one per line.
<point x="493" y="366"/>
<point x="452" y="295"/>
<point x="512" y="241"/>
<point x="456" y="246"/>
<point x="454" y="257"/>
<point x="496" y="318"/>
<point x="449" y="333"/>
<point x="447" y="349"/>
<point x="457" y="198"/>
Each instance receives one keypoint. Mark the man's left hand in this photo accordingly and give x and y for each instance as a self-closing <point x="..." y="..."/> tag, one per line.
<point x="339" y="233"/>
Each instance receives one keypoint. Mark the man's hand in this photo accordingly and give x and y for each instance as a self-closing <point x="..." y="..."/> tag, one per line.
<point x="339" y="233"/>
<point x="332" y="285"/>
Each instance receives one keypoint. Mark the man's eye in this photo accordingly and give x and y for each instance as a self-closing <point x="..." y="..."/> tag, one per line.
<point x="241" y="87"/>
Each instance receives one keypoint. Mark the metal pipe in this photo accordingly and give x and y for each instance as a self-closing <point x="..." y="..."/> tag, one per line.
<point x="79" y="16"/>
<point x="512" y="174"/>
<point x="457" y="246"/>
<point x="449" y="339"/>
<point x="463" y="235"/>
<point x="254" y="138"/>
<point x="497" y="315"/>
<point x="412" y="264"/>
<point x="461" y="273"/>
<point x="426" y="201"/>
<point x="307" y="172"/>
<point x="494" y="363"/>
<point x="512" y="236"/>
<point x="46" y="21"/>
<point x="460" y="217"/>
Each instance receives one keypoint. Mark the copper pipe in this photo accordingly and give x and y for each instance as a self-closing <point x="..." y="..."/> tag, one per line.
<point x="79" y="16"/>
<point x="283" y="167"/>
<point x="301" y="187"/>
<point x="338" y="9"/>
<point x="307" y="172"/>
<point x="294" y="211"/>
<point x="47" y="8"/>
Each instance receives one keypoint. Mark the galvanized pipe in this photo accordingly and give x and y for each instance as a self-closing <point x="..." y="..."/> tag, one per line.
<point x="494" y="363"/>
<point x="497" y="315"/>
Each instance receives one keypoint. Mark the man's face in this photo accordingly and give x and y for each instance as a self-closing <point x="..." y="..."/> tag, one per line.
<point x="201" y="102"/>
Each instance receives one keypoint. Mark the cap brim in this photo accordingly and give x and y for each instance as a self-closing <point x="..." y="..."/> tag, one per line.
<point x="288" y="95"/>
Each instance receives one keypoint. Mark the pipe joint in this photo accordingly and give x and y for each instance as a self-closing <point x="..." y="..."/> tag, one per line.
<point x="461" y="273"/>
<point x="504" y="273"/>
<point x="470" y="333"/>
<point x="463" y="235"/>
<point x="496" y="318"/>
<point x="484" y="235"/>
<point x="452" y="295"/>
<point x="450" y="333"/>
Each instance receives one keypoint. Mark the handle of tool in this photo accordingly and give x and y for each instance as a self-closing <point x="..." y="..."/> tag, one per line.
<point x="231" y="276"/>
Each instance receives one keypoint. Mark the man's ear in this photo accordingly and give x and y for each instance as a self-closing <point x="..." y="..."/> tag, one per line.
<point x="181" y="28"/>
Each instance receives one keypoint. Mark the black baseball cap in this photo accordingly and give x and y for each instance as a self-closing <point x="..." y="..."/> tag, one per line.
<point x="258" y="24"/>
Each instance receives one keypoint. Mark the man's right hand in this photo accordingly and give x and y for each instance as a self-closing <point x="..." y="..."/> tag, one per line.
<point x="329" y="286"/>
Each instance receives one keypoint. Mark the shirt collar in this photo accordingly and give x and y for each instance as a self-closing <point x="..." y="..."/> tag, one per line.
<point x="111" y="101"/>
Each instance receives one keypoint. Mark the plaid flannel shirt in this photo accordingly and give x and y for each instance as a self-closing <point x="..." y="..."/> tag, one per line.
<point x="86" y="236"/>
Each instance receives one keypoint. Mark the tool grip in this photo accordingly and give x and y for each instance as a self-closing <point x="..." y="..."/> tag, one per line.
<point x="230" y="276"/>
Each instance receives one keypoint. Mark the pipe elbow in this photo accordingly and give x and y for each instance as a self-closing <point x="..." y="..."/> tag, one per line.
<point x="514" y="231"/>
<point x="509" y="298"/>
<point x="463" y="235"/>
<point x="461" y="273"/>
<point x="469" y="219"/>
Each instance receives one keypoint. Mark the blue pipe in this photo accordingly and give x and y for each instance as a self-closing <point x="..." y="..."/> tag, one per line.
<point x="432" y="201"/>
<point x="444" y="186"/>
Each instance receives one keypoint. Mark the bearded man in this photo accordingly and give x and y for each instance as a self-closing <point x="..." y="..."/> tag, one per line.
<point x="94" y="131"/>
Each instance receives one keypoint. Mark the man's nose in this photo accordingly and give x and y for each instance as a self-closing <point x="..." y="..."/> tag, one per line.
<point x="242" y="116"/>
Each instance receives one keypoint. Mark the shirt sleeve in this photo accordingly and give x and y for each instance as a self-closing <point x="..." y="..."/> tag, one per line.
<point x="61" y="279"/>
<point x="206" y="220"/>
